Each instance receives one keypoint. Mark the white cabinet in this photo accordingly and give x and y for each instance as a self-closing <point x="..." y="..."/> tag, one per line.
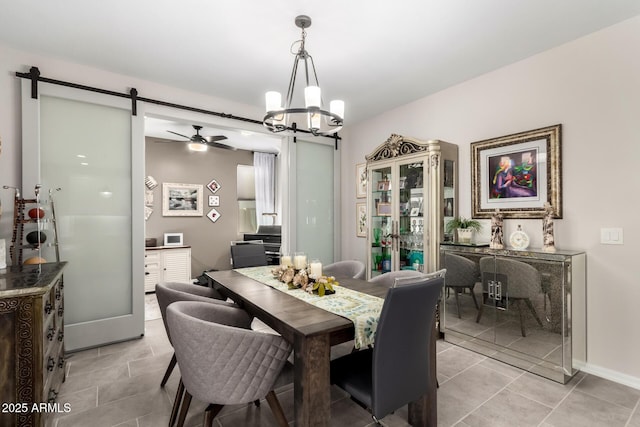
<point x="166" y="264"/>
<point x="411" y="192"/>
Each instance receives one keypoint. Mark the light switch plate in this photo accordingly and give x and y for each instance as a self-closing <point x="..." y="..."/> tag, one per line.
<point x="611" y="236"/>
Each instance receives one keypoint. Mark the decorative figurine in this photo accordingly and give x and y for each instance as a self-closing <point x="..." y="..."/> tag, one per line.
<point x="497" y="233"/>
<point x="548" y="244"/>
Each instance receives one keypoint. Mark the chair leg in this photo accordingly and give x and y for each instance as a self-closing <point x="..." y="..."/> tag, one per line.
<point x="176" y="403"/>
<point x="455" y="292"/>
<point x="480" y="311"/>
<point x="210" y="413"/>
<point x="186" y="401"/>
<point x="522" y="330"/>
<point x="167" y="374"/>
<point x="473" y="295"/>
<point x="533" y="310"/>
<point x="274" y="404"/>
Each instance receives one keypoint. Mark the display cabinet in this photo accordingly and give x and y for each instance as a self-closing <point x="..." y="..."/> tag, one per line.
<point x="411" y="188"/>
<point x="522" y="307"/>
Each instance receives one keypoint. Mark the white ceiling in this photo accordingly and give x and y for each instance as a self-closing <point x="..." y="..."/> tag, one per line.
<point x="375" y="55"/>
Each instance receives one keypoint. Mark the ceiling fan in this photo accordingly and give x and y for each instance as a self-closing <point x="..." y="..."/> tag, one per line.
<point x="199" y="142"/>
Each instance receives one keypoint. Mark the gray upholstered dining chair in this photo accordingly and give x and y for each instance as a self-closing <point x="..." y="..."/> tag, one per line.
<point x="349" y="269"/>
<point x="396" y="370"/>
<point x="170" y="292"/>
<point x="388" y="279"/>
<point x="519" y="283"/>
<point x="246" y="254"/>
<point x="222" y="361"/>
<point x="462" y="273"/>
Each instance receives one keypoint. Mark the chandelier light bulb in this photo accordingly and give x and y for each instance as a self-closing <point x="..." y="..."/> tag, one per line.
<point x="337" y="107"/>
<point x="273" y="101"/>
<point x="314" y="121"/>
<point x="312" y="97"/>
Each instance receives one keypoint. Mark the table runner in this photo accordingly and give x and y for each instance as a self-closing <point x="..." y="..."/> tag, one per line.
<point x="362" y="309"/>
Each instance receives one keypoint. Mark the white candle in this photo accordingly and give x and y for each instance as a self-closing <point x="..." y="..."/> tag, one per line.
<point x="285" y="261"/>
<point x="300" y="262"/>
<point x="316" y="268"/>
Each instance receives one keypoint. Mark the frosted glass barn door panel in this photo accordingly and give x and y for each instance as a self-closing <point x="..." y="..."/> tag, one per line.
<point x="85" y="148"/>
<point x="315" y="200"/>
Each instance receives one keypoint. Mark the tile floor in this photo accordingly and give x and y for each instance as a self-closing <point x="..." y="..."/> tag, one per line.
<point x="119" y="385"/>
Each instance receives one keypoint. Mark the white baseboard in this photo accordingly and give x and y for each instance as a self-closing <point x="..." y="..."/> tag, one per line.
<point x="614" y="376"/>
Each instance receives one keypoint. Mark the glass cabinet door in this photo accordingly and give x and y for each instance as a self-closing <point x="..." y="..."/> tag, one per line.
<point x="411" y="214"/>
<point x="381" y="230"/>
<point x="450" y="208"/>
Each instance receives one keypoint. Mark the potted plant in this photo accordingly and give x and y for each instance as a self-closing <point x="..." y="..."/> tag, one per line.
<point x="464" y="226"/>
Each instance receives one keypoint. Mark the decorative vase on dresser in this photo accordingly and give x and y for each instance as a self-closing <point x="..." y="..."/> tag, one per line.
<point x="411" y="190"/>
<point x="32" y="365"/>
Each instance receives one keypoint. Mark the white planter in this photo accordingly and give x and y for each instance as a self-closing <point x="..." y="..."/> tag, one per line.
<point x="465" y="235"/>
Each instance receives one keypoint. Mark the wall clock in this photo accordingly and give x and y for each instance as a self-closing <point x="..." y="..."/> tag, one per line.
<point x="519" y="239"/>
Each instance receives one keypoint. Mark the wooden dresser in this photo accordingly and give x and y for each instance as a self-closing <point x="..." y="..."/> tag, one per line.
<point x="32" y="366"/>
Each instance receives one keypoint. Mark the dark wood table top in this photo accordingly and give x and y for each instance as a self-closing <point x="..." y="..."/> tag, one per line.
<point x="285" y="313"/>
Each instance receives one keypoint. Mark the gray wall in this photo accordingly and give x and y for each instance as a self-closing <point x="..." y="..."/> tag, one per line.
<point x="209" y="241"/>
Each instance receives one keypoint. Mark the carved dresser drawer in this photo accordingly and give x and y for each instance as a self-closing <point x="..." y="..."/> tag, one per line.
<point x="32" y="365"/>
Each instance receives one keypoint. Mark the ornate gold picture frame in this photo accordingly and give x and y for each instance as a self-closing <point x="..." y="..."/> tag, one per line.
<point x="517" y="174"/>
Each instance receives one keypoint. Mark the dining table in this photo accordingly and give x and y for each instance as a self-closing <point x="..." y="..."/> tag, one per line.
<point x="313" y="331"/>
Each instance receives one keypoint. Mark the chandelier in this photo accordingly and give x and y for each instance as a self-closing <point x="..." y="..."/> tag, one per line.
<point x="318" y="120"/>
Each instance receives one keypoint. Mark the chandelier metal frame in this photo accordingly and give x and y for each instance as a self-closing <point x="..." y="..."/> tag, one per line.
<point x="319" y="120"/>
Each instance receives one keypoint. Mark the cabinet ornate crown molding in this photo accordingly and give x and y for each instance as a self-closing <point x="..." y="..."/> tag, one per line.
<point x="398" y="145"/>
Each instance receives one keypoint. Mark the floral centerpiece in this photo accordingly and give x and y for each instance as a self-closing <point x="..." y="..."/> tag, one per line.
<point x="301" y="279"/>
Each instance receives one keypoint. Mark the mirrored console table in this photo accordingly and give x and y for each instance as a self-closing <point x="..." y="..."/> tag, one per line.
<point x="525" y="308"/>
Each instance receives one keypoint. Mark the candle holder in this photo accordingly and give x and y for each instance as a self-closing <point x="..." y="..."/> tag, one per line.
<point x="286" y="260"/>
<point x="299" y="260"/>
<point x="315" y="268"/>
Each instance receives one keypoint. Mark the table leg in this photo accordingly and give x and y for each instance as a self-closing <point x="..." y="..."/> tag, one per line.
<point x="312" y="397"/>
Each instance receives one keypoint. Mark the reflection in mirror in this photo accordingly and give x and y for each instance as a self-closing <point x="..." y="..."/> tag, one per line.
<point x="246" y="193"/>
<point x="506" y="303"/>
<point x="247" y="222"/>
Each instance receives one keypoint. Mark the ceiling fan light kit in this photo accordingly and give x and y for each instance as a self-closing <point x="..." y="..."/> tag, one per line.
<point x="317" y="120"/>
<point x="197" y="146"/>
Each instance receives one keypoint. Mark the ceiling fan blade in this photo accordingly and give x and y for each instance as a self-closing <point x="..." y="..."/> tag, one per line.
<point x="163" y="140"/>
<point x="220" y="145"/>
<point x="179" y="134"/>
<point x="214" y="138"/>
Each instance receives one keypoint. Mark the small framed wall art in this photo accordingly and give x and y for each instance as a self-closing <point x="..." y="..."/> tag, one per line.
<point x="213" y="186"/>
<point x="181" y="199"/>
<point x="361" y="180"/>
<point x="214" y="201"/>
<point x="361" y="219"/>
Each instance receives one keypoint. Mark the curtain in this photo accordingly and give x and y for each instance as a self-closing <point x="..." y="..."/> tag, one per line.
<point x="265" y="171"/>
